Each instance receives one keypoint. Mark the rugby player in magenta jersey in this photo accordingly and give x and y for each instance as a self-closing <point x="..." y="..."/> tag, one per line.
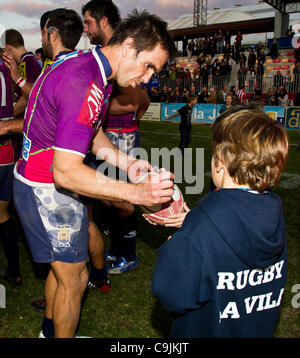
<point x="63" y="121"/>
<point x="100" y="20"/>
<point x="9" y="154"/>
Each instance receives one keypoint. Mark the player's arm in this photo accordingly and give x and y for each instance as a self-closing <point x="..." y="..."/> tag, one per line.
<point x="11" y="126"/>
<point x="127" y="101"/>
<point x="103" y="148"/>
<point x="20" y="106"/>
<point x="70" y="173"/>
<point x="144" y="104"/>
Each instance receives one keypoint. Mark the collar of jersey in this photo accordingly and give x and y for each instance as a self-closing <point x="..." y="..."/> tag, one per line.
<point x="103" y="63"/>
<point x="62" y="53"/>
<point x="29" y="53"/>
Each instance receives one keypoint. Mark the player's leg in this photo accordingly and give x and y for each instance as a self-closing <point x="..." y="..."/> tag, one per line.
<point x="71" y="282"/>
<point x="98" y="274"/>
<point x="8" y="231"/>
<point x="123" y="231"/>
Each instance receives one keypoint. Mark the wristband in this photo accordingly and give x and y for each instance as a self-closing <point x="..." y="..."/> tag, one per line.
<point x="21" y="82"/>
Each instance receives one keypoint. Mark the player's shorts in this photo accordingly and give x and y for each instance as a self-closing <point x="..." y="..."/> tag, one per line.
<point x="124" y="141"/>
<point x="55" y="223"/>
<point x="6" y="182"/>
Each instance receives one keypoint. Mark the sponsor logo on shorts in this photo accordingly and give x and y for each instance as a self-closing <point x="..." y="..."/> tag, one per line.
<point x="64" y="235"/>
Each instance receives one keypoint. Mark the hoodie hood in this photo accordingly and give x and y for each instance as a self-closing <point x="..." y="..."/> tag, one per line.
<point x="251" y="224"/>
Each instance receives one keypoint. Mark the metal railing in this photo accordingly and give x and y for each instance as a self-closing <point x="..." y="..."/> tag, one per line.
<point x="264" y="83"/>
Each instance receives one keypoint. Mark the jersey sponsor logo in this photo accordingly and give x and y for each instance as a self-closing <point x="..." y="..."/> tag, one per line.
<point x="91" y="106"/>
<point x="26" y="147"/>
<point x="22" y="70"/>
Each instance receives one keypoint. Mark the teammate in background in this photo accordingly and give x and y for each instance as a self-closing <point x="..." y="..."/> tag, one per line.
<point x="100" y="19"/>
<point x="185" y="125"/>
<point x="229" y="277"/>
<point x="9" y="154"/>
<point x="123" y="131"/>
<point x="51" y="169"/>
<point x="29" y="68"/>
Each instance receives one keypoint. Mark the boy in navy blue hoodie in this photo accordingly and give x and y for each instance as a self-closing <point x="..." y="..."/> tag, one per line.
<point x="223" y="273"/>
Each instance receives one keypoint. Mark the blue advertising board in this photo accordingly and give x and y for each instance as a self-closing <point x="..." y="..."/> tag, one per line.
<point x="202" y="113"/>
<point x="276" y="112"/>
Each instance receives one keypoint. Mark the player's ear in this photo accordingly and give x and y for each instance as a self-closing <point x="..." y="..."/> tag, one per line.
<point x="128" y="46"/>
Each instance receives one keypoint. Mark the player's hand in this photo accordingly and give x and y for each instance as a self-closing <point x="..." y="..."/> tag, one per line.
<point x="156" y="188"/>
<point x="138" y="169"/>
<point x="4" y="127"/>
<point x="12" y="66"/>
<point x="176" y="220"/>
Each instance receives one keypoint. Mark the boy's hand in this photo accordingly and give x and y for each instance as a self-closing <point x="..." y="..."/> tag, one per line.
<point x="173" y="221"/>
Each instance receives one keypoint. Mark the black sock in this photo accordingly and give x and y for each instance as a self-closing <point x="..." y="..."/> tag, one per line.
<point x="9" y="240"/>
<point x="98" y="274"/>
<point x="128" y="233"/>
<point x="48" y="327"/>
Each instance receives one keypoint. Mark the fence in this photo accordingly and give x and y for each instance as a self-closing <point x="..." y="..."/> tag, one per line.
<point x="264" y="83"/>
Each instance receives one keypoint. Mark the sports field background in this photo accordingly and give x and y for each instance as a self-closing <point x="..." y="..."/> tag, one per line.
<point x="129" y="310"/>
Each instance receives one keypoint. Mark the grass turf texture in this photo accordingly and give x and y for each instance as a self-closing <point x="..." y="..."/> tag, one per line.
<point x="129" y="310"/>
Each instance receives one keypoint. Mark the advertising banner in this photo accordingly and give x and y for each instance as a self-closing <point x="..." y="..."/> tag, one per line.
<point x="276" y="112"/>
<point x="202" y="113"/>
<point x="292" y="120"/>
<point x="152" y="113"/>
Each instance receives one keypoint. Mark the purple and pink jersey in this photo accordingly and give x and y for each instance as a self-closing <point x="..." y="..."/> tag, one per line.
<point x="122" y="123"/>
<point x="29" y="68"/>
<point x="67" y="105"/>
<point x="9" y="144"/>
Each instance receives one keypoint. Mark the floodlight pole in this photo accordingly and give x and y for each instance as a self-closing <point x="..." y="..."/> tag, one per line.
<point x="200" y="13"/>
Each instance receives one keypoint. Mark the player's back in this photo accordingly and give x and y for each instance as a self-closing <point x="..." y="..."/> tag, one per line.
<point x="6" y="102"/>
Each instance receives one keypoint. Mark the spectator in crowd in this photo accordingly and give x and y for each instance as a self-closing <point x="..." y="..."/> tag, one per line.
<point x="154" y="95"/>
<point x="271" y="98"/>
<point x="242" y="72"/>
<point x="227" y="38"/>
<point x="187" y="77"/>
<point x="228" y="103"/>
<point x="261" y="57"/>
<point x="171" y="96"/>
<point x="184" y="46"/>
<point x="190" y="48"/>
<point x="219" y="41"/>
<point x="297" y="99"/>
<point x="203" y="96"/>
<point x="290" y="33"/>
<point x="164" y="95"/>
<point x="259" y="48"/>
<point x="278" y="80"/>
<point x="212" y="98"/>
<point x="241" y="94"/>
<point x="204" y="75"/>
<point x="274" y="48"/>
<point x="283" y="98"/>
<point x="251" y="75"/>
<point x="260" y="70"/>
<point x="251" y="58"/>
<point x="238" y="39"/>
<point x="288" y="81"/>
<point x="233" y="93"/>
<point x="185" y="94"/>
<point x="178" y="96"/>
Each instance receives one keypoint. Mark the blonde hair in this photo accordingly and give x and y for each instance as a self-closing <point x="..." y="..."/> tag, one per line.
<point x="253" y="147"/>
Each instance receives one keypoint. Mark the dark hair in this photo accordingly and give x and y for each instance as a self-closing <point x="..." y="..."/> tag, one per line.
<point x="147" y="30"/>
<point x="98" y="9"/>
<point x="69" y="25"/>
<point x="44" y="18"/>
<point x="14" y="38"/>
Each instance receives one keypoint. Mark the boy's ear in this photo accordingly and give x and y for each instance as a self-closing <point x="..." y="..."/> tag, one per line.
<point x="219" y="164"/>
